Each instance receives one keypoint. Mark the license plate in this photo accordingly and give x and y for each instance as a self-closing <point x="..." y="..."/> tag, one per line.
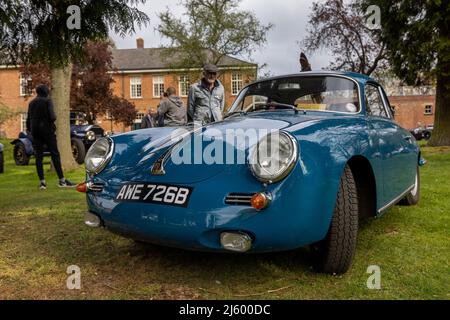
<point x="155" y="193"/>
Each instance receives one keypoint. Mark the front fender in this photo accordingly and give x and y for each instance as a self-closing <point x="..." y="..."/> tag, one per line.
<point x="27" y="143"/>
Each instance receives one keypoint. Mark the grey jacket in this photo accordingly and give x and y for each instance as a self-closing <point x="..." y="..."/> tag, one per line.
<point x="206" y="106"/>
<point x="173" y="112"/>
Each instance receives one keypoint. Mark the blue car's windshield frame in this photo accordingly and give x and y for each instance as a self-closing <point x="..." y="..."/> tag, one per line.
<point x="320" y="93"/>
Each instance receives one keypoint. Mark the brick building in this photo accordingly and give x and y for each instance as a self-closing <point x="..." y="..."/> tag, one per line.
<point x="141" y="75"/>
<point x="414" y="106"/>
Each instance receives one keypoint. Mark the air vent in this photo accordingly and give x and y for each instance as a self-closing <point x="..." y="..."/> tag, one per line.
<point x="239" y="199"/>
<point x="95" y="187"/>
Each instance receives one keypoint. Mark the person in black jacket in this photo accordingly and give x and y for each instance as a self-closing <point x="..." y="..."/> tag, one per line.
<point x="41" y="123"/>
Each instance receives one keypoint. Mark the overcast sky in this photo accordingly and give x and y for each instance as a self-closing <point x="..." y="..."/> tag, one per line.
<point x="281" y="52"/>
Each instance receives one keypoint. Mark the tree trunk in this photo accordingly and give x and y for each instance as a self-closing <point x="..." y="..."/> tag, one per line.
<point x="61" y="77"/>
<point x="441" y="131"/>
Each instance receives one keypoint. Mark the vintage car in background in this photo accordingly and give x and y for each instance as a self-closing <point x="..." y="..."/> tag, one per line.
<point x="328" y="154"/>
<point x="422" y="132"/>
<point x="82" y="136"/>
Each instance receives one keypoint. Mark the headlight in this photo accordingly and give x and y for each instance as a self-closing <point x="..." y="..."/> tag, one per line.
<point x="99" y="155"/>
<point x="274" y="157"/>
<point x="90" y="135"/>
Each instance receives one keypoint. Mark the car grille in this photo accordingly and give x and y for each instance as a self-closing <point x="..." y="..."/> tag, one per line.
<point x="96" y="187"/>
<point x="239" y="199"/>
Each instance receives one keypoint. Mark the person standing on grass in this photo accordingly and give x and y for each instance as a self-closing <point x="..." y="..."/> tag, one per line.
<point x="41" y="123"/>
<point x="206" y="99"/>
<point x="171" y="111"/>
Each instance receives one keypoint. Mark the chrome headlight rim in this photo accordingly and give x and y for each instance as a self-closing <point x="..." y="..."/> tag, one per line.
<point x="99" y="168"/>
<point x="291" y="163"/>
<point x="90" y="135"/>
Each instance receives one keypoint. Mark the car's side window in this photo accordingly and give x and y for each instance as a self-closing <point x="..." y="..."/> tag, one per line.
<point x="374" y="102"/>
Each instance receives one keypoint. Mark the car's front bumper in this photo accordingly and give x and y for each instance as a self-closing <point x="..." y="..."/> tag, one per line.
<point x="298" y="215"/>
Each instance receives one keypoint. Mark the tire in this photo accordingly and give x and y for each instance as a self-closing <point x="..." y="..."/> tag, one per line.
<point x="20" y="154"/>
<point x="78" y="150"/>
<point x="413" y="196"/>
<point x="427" y="135"/>
<point x="334" y="254"/>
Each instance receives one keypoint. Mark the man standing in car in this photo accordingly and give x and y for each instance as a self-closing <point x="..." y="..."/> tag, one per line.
<point x="41" y="123"/>
<point x="206" y="99"/>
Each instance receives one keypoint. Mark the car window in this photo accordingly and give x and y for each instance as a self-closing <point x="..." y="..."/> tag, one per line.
<point x="323" y="93"/>
<point x="374" y="102"/>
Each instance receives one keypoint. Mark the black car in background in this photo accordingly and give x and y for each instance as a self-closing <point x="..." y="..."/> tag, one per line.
<point x="421" y="133"/>
<point x="82" y="135"/>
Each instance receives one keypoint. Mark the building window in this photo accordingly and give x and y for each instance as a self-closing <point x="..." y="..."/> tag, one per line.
<point x="136" y="87"/>
<point x="26" y="86"/>
<point x="184" y="86"/>
<point x="158" y="86"/>
<point x="236" y="83"/>
<point x="428" y="109"/>
<point x="23" y="121"/>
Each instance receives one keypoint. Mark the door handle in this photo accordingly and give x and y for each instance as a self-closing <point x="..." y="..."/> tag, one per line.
<point x="407" y="138"/>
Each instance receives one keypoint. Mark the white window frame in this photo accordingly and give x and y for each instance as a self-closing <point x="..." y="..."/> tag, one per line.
<point x="184" y="83"/>
<point x="431" y="110"/>
<point x="136" y="87"/>
<point x="23" y="121"/>
<point x="139" y="117"/>
<point x="24" y="86"/>
<point x="158" y="86"/>
<point x="237" y="83"/>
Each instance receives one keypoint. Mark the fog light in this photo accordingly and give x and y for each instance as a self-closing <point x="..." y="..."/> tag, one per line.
<point x="260" y="201"/>
<point x="91" y="220"/>
<point x="236" y="241"/>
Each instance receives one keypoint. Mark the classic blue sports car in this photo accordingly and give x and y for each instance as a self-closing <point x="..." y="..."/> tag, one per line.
<point x="297" y="161"/>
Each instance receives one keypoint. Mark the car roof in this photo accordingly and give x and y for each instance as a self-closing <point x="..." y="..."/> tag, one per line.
<point x="356" y="76"/>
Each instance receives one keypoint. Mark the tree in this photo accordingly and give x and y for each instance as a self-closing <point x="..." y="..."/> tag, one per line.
<point x="211" y="30"/>
<point x="340" y="27"/>
<point x="91" y="90"/>
<point x="417" y="38"/>
<point x="56" y="33"/>
<point x="6" y="113"/>
<point x="91" y="86"/>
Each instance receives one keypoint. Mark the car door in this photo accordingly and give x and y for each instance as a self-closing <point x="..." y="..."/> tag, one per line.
<point x="392" y="143"/>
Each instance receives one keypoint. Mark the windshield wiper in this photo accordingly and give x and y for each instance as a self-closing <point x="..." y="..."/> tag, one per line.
<point x="286" y="106"/>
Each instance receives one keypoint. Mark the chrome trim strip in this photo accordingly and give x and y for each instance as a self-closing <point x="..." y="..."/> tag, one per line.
<point x="395" y="200"/>
<point x="228" y="201"/>
<point x="158" y="166"/>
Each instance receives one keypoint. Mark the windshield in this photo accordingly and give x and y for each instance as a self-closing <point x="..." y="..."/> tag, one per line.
<point x="323" y="93"/>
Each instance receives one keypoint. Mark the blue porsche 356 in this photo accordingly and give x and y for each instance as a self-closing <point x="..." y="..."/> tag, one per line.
<point x="297" y="161"/>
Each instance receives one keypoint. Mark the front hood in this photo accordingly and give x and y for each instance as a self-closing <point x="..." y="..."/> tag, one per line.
<point x="203" y="152"/>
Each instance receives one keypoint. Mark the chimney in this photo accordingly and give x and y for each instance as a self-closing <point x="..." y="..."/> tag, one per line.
<point x="140" y="43"/>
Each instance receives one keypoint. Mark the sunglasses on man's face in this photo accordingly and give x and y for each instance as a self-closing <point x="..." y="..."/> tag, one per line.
<point x="211" y="74"/>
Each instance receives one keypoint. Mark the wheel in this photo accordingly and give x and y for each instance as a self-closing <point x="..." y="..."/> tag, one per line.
<point x="414" y="195"/>
<point x="78" y="150"/>
<point x="427" y="135"/>
<point x="20" y="155"/>
<point x="335" y="253"/>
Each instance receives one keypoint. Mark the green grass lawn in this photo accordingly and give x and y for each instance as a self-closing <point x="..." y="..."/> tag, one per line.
<point x="42" y="233"/>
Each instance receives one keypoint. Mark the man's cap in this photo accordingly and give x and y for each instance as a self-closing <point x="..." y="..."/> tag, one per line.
<point x="210" y="68"/>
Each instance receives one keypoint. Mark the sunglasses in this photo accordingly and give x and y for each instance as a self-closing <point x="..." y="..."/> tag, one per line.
<point x="212" y="74"/>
